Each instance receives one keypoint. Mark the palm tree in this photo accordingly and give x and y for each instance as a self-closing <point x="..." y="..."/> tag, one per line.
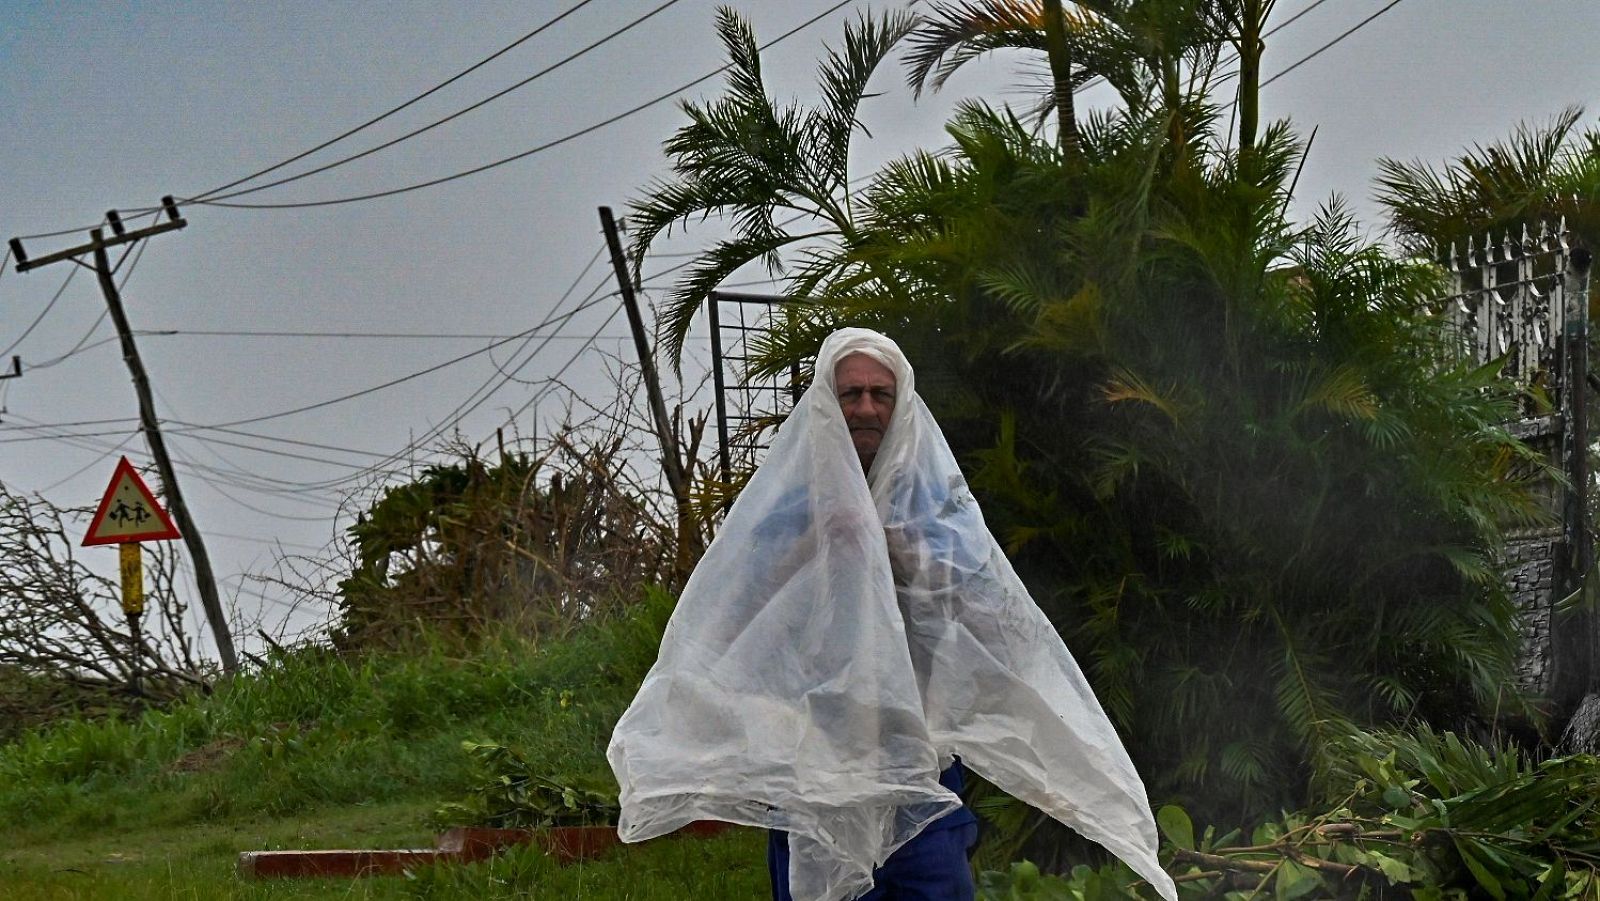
<point x="1158" y="54"/>
<point x="1539" y="176"/>
<point x="1214" y="443"/>
<point x="748" y="159"/>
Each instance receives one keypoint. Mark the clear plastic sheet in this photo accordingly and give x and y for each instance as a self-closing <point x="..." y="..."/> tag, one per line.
<point x="842" y="638"/>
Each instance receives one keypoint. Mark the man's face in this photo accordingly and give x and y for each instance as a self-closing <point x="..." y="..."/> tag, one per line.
<point x="866" y="390"/>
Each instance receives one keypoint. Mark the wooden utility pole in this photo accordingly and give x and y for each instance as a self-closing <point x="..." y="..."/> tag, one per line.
<point x="98" y="243"/>
<point x="671" y="463"/>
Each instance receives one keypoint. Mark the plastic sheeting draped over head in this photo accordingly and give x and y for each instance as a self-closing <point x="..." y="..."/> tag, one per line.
<point x="842" y="638"/>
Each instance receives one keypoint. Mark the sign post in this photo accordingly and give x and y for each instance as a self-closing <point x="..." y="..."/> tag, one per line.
<point x="128" y="514"/>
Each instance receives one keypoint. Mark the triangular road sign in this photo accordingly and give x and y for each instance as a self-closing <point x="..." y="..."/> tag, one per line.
<point x="129" y="512"/>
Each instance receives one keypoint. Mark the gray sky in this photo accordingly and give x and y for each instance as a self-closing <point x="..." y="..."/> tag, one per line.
<point x="115" y="104"/>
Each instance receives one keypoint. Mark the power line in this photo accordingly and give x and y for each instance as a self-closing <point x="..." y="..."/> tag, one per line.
<point x="293" y="491"/>
<point x="382" y="116"/>
<point x="56" y="436"/>
<point x="453" y="116"/>
<point x="199" y="474"/>
<point x="257" y="539"/>
<point x="69" y="425"/>
<point x="65" y="231"/>
<point x="190" y="428"/>
<point x="539" y="395"/>
<point x="389" y="384"/>
<point x="311" y="444"/>
<point x="531" y="151"/>
<point x="1318" y="52"/>
<point x="42" y="313"/>
<point x="407" y="336"/>
<point x="477" y="397"/>
<point x="191" y="436"/>
<point x="473" y="398"/>
<point x="1293" y="19"/>
<point x="91" y="464"/>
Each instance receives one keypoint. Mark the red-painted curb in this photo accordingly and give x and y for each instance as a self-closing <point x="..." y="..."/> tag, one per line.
<point x="466" y="844"/>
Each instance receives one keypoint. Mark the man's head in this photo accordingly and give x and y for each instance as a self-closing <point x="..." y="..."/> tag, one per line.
<point x="866" y="390"/>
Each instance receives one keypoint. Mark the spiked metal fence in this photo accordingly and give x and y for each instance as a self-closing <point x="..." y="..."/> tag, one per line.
<point x="1524" y="301"/>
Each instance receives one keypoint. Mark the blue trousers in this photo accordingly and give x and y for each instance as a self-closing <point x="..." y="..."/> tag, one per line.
<point x="931" y="867"/>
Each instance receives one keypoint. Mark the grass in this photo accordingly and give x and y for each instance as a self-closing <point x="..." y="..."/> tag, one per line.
<point x="322" y="752"/>
<point x="196" y="862"/>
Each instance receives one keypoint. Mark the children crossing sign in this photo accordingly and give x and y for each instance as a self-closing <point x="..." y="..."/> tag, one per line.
<point x="128" y="512"/>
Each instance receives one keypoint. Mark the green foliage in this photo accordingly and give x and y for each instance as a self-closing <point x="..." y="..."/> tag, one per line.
<point x="316" y="728"/>
<point x="1401" y="814"/>
<point x="512" y="792"/>
<point x="1023" y="882"/>
<point x="347" y="751"/>
<point x="537" y="544"/>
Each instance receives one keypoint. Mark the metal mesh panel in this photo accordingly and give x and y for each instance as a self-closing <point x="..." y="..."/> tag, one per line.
<point x="749" y="407"/>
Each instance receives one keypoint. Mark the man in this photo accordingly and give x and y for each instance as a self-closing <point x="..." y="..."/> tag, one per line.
<point x="932" y="866"/>
<point x="844" y="639"/>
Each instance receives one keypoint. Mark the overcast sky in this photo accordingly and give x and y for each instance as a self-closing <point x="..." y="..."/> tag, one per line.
<point x="112" y="105"/>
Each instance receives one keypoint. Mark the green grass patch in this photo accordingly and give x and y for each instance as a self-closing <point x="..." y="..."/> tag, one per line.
<point x="350" y="752"/>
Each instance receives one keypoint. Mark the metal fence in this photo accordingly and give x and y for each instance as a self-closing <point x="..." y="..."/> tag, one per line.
<point x="749" y="407"/>
<point x="1514" y="299"/>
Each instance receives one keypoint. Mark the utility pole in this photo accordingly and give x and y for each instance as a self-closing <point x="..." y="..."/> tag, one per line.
<point x="206" y="581"/>
<point x="671" y="464"/>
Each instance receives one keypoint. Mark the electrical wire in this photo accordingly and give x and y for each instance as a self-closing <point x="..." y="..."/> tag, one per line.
<point x="551" y="382"/>
<point x="463" y="409"/>
<point x="1347" y="32"/>
<point x="81" y="348"/>
<point x="196" y="470"/>
<point x="474" y="400"/>
<point x="453" y="116"/>
<point x="263" y="484"/>
<point x="389" y="384"/>
<point x="256" y="539"/>
<point x="42" y="313"/>
<point x="67" y="231"/>
<point x="455" y="336"/>
<point x="454" y="417"/>
<point x="55" y="436"/>
<point x="71" y="425"/>
<point x="548" y="145"/>
<point x="263" y="437"/>
<point x="91" y="464"/>
<point x="190" y="436"/>
<point x="382" y="116"/>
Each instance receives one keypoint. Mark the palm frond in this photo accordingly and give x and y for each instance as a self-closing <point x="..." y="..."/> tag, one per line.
<point x="843" y="78"/>
<point x="955" y="33"/>
<point x="710" y="270"/>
